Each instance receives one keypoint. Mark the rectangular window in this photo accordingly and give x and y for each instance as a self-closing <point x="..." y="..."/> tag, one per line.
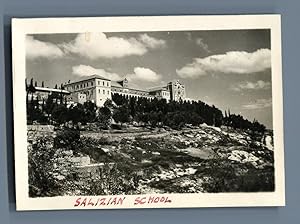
<point x="107" y="83"/>
<point x="103" y="83"/>
<point x="99" y="83"/>
<point x="92" y="83"/>
<point x="107" y="92"/>
<point x="99" y="91"/>
<point x="104" y="92"/>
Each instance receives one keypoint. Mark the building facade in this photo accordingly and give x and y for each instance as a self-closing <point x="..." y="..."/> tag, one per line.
<point x="177" y="90"/>
<point x="123" y="88"/>
<point x="98" y="89"/>
<point x="161" y="93"/>
<point x="94" y="88"/>
<point x="41" y="94"/>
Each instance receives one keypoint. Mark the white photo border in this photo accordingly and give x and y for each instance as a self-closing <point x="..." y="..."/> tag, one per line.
<point x="23" y="26"/>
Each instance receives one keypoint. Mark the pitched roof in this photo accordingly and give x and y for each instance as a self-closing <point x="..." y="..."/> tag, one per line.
<point x="154" y="89"/>
<point x="116" y="84"/>
<point x="129" y="86"/>
<point x="44" y="89"/>
<point x="84" y="78"/>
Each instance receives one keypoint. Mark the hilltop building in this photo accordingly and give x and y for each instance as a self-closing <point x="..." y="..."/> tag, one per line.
<point x="41" y="93"/>
<point x="98" y="89"/>
<point x="177" y="90"/>
<point x="94" y="88"/>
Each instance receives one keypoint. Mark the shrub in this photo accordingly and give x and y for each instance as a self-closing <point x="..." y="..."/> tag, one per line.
<point x="112" y="180"/>
<point x="224" y="178"/>
<point x="67" y="138"/>
<point x="40" y="169"/>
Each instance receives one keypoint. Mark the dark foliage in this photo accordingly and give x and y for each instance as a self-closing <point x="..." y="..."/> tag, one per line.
<point x="153" y="112"/>
<point x="113" y="180"/>
<point x="224" y="177"/>
<point x="176" y="115"/>
<point x="40" y="165"/>
<point x="122" y="114"/>
<point x="67" y="138"/>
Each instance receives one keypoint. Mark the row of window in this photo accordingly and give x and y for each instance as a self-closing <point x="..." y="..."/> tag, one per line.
<point x="136" y="92"/>
<point x="79" y="97"/>
<point x="80" y="86"/>
<point x="103" y="91"/>
<point x="165" y="94"/>
<point x="87" y="84"/>
<point x="104" y="83"/>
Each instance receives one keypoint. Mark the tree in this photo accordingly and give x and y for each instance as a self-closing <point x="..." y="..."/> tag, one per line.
<point x="90" y="111"/>
<point x="27" y="92"/>
<point x="49" y="106"/>
<point x="40" y="168"/>
<point x="77" y="114"/>
<point x="31" y="89"/>
<point x="119" y="99"/>
<point x="35" y="114"/>
<point x="177" y="114"/>
<point x="132" y="106"/>
<point x="155" y="118"/>
<point x="121" y="114"/>
<point x="60" y="113"/>
<point x="104" y="117"/>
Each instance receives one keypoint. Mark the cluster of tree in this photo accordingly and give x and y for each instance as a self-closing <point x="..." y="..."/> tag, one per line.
<point x="177" y="114"/>
<point x="42" y="110"/>
<point x="158" y="112"/>
<point x="123" y="109"/>
<point x="239" y="122"/>
<point x="55" y="110"/>
<point x="52" y="112"/>
<point x="30" y="86"/>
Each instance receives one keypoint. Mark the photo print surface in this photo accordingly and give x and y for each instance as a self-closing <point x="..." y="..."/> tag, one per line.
<point x="144" y="118"/>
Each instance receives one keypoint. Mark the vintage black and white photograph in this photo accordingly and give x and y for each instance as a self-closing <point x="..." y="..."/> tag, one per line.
<point x="161" y="112"/>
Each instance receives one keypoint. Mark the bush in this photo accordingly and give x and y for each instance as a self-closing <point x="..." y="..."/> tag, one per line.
<point x="40" y="169"/>
<point x="67" y="138"/>
<point x="113" y="180"/>
<point x="224" y="178"/>
<point x="104" y="118"/>
<point x="60" y="113"/>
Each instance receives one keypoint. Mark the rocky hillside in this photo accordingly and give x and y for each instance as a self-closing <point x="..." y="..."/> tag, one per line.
<point x="142" y="160"/>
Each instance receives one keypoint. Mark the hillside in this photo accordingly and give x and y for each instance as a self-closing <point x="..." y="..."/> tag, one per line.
<point x="140" y="160"/>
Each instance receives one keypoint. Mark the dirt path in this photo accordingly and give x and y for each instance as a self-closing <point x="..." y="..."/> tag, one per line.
<point x="129" y="134"/>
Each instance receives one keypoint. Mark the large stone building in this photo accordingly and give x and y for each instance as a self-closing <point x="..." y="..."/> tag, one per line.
<point x="98" y="89"/>
<point x="42" y="93"/>
<point x="93" y="88"/>
<point x="177" y="90"/>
